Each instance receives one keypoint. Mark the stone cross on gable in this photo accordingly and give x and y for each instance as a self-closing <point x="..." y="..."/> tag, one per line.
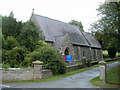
<point x="33" y="11"/>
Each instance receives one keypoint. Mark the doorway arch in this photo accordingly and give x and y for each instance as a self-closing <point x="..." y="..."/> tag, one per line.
<point x="67" y="51"/>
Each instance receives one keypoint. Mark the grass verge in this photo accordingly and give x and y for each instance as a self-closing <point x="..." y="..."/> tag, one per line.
<point x="96" y="82"/>
<point x="112" y="78"/>
<point x="107" y="63"/>
<point x="113" y="75"/>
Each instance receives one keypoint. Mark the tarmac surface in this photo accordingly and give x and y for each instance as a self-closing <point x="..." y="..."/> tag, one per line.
<point x="80" y="80"/>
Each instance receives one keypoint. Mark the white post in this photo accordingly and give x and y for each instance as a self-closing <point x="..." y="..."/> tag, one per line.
<point x="102" y="67"/>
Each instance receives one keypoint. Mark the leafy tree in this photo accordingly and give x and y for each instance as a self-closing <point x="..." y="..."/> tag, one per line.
<point x="29" y="36"/>
<point x="112" y="51"/>
<point x="10" y="26"/>
<point x="76" y="23"/>
<point x="10" y="43"/>
<point x="0" y="21"/>
<point x="0" y="44"/>
<point x="108" y="26"/>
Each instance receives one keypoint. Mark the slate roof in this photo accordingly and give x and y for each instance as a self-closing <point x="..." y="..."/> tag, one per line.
<point x="92" y="41"/>
<point x="58" y="42"/>
<point x="52" y="29"/>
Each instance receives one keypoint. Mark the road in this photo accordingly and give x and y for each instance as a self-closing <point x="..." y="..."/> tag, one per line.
<point x="80" y="80"/>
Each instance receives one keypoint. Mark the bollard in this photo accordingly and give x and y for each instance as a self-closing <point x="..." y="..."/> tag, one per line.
<point x="102" y="67"/>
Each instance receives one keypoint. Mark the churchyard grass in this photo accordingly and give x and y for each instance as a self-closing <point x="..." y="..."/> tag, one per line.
<point x="112" y="77"/>
<point x="107" y="63"/>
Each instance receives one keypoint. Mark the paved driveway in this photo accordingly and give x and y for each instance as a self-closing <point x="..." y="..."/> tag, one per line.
<point x="80" y="80"/>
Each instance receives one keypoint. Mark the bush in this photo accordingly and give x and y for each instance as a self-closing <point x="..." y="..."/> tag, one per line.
<point x="5" y="66"/>
<point x="10" y="43"/>
<point x="112" y="52"/>
<point x="17" y="56"/>
<point x="14" y="57"/>
<point x="33" y="56"/>
<point x="6" y="56"/>
<point x="118" y="55"/>
<point x="57" y="67"/>
<point x="50" y="57"/>
<point x="105" y="54"/>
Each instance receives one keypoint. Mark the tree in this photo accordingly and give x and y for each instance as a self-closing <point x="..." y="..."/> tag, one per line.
<point x="108" y="25"/>
<point x="10" y="43"/>
<point x="76" y="23"/>
<point x="0" y="21"/>
<point x="29" y="36"/>
<point x="10" y="26"/>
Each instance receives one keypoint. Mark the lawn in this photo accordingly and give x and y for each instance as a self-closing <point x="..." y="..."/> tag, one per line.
<point x="112" y="79"/>
<point x="113" y="75"/>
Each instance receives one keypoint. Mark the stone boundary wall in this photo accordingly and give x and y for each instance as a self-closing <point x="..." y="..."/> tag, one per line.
<point x="35" y="73"/>
<point x="74" y="67"/>
<point x="20" y="74"/>
<point x="17" y="74"/>
<point x="46" y="73"/>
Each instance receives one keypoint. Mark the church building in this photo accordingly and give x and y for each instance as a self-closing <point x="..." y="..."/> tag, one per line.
<point x="68" y="39"/>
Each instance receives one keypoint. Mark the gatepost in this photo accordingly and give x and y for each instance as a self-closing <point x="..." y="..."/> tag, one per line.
<point x="102" y="67"/>
<point x="37" y="72"/>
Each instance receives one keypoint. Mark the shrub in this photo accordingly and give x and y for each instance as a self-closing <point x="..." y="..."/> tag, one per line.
<point x="118" y="55"/>
<point x="50" y="57"/>
<point x="5" y="66"/>
<point x="39" y="44"/>
<point x="57" y="67"/>
<point x="105" y="54"/>
<point x="17" y="56"/>
<point x="112" y="52"/>
<point x="6" y="56"/>
<point x="14" y="57"/>
<point x="10" y="43"/>
<point x="33" y="56"/>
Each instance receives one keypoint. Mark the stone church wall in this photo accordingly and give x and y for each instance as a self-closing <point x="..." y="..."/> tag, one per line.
<point x="81" y="52"/>
<point x="96" y="53"/>
<point x="78" y="52"/>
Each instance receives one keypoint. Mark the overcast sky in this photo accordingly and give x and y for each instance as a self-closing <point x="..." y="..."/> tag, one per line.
<point x="63" y="10"/>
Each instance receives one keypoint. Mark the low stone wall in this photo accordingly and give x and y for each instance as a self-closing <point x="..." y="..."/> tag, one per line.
<point x="35" y="73"/>
<point x="74" y="67"/>
<point x="46" y="73"/>
<point x="17" y="74"/>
